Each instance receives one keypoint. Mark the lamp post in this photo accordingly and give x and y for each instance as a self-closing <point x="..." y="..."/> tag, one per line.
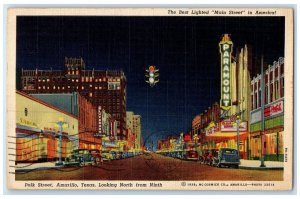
<point x="61" y="124"/>
<point x="262" y="102"/>
<point x="238" y="135"/>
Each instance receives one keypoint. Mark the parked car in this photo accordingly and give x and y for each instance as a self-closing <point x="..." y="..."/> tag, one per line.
<point x="106" y="156"/>
<point x="79" y="157"/>
<point x="97" y="158"/>
<point x="192" y="155"/>
<point x="213" y="153"/>
<point x="227" y="157"/>
<point x="204" y="159"/>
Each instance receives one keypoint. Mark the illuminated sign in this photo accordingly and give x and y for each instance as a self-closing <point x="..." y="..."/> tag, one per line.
<point x="229" y="126"/>
<point x="274" y="109"/>
<point x="225" y="51"/>
<point x="28" y="123"/>
<point x="212" y="129"/>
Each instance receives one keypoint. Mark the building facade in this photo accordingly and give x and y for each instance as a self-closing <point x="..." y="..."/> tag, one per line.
<point x="270" y="141"/>
<point x="86" y="113"/>
<point x="133" y="123"/>
<point x="37" y="133"/>
<point x="106" y="88"/>
<point x="218" y="124"/>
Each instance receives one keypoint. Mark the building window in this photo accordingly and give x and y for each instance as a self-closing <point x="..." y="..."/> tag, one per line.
<point x="26" y="111"/>
<point x="276" y="89"/>
<point x="282" y="87"/>
<point x="271" y="92"/>
<point x="266" y="94"/>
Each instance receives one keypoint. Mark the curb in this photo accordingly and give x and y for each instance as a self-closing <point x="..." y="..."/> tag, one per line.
<point x="261" y="168"/>
<point x="38" y="168"/>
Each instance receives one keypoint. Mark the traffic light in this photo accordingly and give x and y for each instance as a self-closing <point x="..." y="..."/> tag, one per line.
<point x="152" y="75"/>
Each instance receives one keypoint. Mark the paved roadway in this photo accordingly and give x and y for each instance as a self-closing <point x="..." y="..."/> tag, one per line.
<point x="151" y="166"/>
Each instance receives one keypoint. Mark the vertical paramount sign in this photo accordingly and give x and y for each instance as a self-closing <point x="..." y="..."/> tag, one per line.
<point x="225" y="51"/>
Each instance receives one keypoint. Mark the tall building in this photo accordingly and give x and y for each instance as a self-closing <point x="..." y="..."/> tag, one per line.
<point x="134" y="126"/>
<point x="220" y="132"/>
<point x="270" y="140"/>
<point x="105" y="88"/>
<point x="137" y="129"/>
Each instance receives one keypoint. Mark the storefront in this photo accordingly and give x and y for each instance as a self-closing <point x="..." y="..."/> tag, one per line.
<point x="272" y="137"/>
<point x="224" y="135"/>
<point x="37" y="134"/>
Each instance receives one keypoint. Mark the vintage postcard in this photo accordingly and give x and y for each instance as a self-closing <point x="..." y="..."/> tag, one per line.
<point x="150" y="98"/>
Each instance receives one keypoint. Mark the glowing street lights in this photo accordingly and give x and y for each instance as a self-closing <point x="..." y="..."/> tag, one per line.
<point x="61" y="124"/>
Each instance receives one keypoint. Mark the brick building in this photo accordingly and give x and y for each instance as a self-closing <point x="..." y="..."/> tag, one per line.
<point x="105" y="88"/>
<point x="270" y="141"/>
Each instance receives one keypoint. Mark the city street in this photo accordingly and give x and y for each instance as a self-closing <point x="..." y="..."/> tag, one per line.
<point x="151" y="166"/>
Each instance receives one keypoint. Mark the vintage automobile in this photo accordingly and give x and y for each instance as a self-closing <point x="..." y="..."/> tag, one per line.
<point x="227" y="157"/>
<point x="96" y="156"/>
<point x="204" y="157"/>
<point x="107" y="156"/>
<point x="191" y="155"/>
<point x="213" y="153"/>
<point x="80" y="157"/>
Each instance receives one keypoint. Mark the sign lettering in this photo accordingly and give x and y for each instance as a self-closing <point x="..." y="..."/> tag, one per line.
<point x="225" y="51"/>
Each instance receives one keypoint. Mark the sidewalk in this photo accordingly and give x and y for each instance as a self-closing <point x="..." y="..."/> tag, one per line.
<point x="21" y="167"/>
<point x="255" y="164"/>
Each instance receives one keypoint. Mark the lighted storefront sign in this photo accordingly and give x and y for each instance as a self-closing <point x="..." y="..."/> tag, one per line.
<point x="211" y="129"/>
<point x="274" y="109"/>
<point x="28" y="123"/>
<point x="269" y="111"/>
<point x="225" y="51"/>
<point x="229" y="126"/>
<point x="255" y="116"/>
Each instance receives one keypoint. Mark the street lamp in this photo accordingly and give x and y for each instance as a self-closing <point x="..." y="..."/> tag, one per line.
<point x="262" y="102"/>
<point x="61" y="124"/>
<point x="238" y="134"/>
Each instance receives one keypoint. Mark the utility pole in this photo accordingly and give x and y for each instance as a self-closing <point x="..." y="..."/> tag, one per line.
<point x="262" y="103"/>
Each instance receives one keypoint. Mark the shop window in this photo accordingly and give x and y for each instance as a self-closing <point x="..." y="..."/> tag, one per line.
<point x="26" y="112"/>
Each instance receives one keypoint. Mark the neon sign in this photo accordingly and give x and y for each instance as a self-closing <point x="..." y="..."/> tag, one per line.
<point x="225" y="51"/>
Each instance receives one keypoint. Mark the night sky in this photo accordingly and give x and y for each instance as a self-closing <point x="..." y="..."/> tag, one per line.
<point x="185" y="49"/>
